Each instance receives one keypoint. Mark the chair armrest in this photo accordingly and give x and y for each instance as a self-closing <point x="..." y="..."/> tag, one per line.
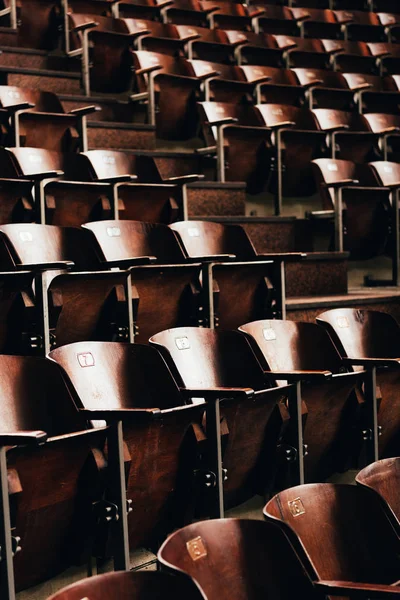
<point x="321" y="215"/>
<point x="213" y="257"/>
<point x="359" y="590"/>
<point x="118" y="179"/>
<point x="318" y="376"/>
<point x="341" y="183"/>
<point x="59" y="265"/>
<point x="115" y="414"/>
<point x="388" y="130"/>
<point x="149" y="69"/>
<point x="372" y="362"/>
<point x="217" y="393"/>
<point x="285" y="256"/>
<point x="125" y="263"/>
<point x="84" y="26"/>
<point x="362" y="86"/>
<point x="182" y="179"/>
<point x="282" y="125"/>
<point x="17" y="107"/>
<point x="225" y="121"/>
<point x="44" y="175"/>
<point x="23" y="438"/>
<point x="85" y="110"/>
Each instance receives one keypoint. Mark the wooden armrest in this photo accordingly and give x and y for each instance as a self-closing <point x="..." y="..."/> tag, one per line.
<point x="318" y="376"/>
<point x="23" y="438"/>
<point x="117" y="414"/>
<point x="85" y="110"/>
<point x="285" y="256"/>
<point x="182" y="179"/>
<point x="217" y="393"/>
<point x="360" y="590"/>
<point x="44" y="175"/>
<point x="125" y="263"/>
<point x="372" y="362"/>
<point x="341" y="183"/>
<point x="50" y="266"/>
<point x="321" y="215"/>
<point x="119" y="179"/>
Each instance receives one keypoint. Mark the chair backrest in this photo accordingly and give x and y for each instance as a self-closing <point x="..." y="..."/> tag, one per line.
<point x="361" y="333"/>
<point x="130" y="239"/>
<point x="388" y="173"/>
<point x="105" y="164"/>
<point x="205" y="238"/>
<point x="380" y="122"/>
<point x="262" y="562"/>
<point x="383" y="476"/>
<point x="293" y="346"/>
<point x="339" y="545"/>
<point x="273" y="114"/>
<point x="43" y="101"/>
<point x="329" y="170"/>
<point x="143" y="585"/>
<point x="32" y="244"/>
<point x="208" y="358"/>
<point x="331" y="119"/>
<point x="112" y="376"/>
<point x="23" y="162"/>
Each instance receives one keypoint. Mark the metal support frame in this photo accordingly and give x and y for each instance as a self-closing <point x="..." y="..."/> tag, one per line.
<point x="396" y="237"/>
<point x="281" y="289"/>
<point x="207" y="283"/>
<point x="129" y="308"/>
<point x="85" y="62"/>
<point x="295" y="409"/>
<point x="7" y="584"/>
<point x="42" y="299"/>
<point x="40" y="200"/>
<point x="118" y="494"/>
<point x="215" y="457"/>
<point x="279" y="196"/>
<point x="338" y="208"/>
<point x="83" y="133"/>
<point x="372" y="434"/>
<point x="151" y="99"/>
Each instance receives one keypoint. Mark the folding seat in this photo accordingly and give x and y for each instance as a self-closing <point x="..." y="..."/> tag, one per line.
<point x="360" y="25"/>
<point x="45" y="442"/>
<point x="350" y="137"/>
<point x="282" y="87"/>
<point x="142" y="585"/>
<point x="388" y="57"/>
<point x="361" y="210"/>
<point x="159" y="37"/>
<point x="170" y="87"/>
<point x="374" y="93"/>
<point x="383" y="477"/>
<point x="131" y="383"/>
<point x="303" y="353"/>
<point x="343" y="555"/>
<point x="350" y="57"/>
<point x="277" y="20"/>
<point x="256" y="48"/>
<point x="141" y="9"/>
<point x="388" y="127"/>
<point x="243" y="146"/>
<point x="325" y="89"/>
<point x="159" y="270"/>
<point x="207" y="44"/>
<point x="37" y="119"/>
<point x="37" y="24"/>
<point x="297" y="141"/>
<point x="68" y="306"/>
<point x="391" y="22"/>
<point x="16" y="307"/>
<point x="96" y="9"/>
<point x="302" y="52"/>
<point x="225" y="14"/>
<point x="371" y="339"/>
<point x="262" y="563"/>
<point x="234" y="269"/>
<point x="221" y="367"/>
<point x="188" y="12"/>
<point x="317" y="23"/>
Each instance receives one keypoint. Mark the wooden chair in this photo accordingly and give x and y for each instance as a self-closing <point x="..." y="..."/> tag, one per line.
<point x="221" y="367"/>
<point x="383" y="477"/>
<point x="262" y="563"/>
<point x="325" y="89"/>
<point x="37" y="119"/>
<point x="374" y="93"/>
<point x="371" y="339"/>
<point x="131" y="383"/>
<point x="360" y="25"/>
<point x="55" y="523"/>
<point x="317" y="23"/>
<point x="277" y="20"/>
<point x="38" y="26"/>
<point x="131" y="586"/>
<point x="350" y="56"/>
<point x="17" y="333"/>
<point x="304" y="353"/>
<point x="388" y="127"/>
<point x="343" y="555"/>
<point x="159" y="270"/>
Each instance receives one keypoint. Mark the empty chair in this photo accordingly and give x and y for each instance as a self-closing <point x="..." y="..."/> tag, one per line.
<point x="388" y="56"/>
<point x="297" y="140"/>
<point x="342" y="554"/>
<point x="255" y="48"/>
<point x="361" y="25"/>
<point x="388" y="128"/>
<point x="17" y="333"/>
<point x="281" y="87"/>
<point x="234" y="270"/>
<point x="262" y="561"/>
<point x="170" y="279"/>
<point x="236" y="134"/>
<point x="133" y="586"/>
<point x="221" y="367"/>
<point x="350" y="136"/>
<point x="371" y="339"/>
<point x="374" y="93"/>
<point x="133" y="384"/>
<point x="350" y="57"/>
<point x="325" y="89"/>
<point x="37" y="119"/>
<point x="229" y="83"/>
<point x="361" y="210"/>
<point x="304" y="352"/>
<point x="383" y="477"/>
<point x="56" y="523"/>
<point x="317" y="23"/>
<point x="38" y="25"/>
<point x="206" y="44"/>
<point x="225" y="14"/>
<point x="67" y="306"/>
<point x="277" y="20"/>
<point x="304" y="52"/>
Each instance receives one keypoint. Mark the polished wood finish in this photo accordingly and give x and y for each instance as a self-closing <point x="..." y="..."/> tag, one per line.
<point x="205" y="359"/>
<point x="383" y="476"/>
<point x="262" y="562"/>
<point x="113" y="380"/>
<point x="330" y="407"/>
<point x="131" y="586"/>
<point x="371" y="335"/>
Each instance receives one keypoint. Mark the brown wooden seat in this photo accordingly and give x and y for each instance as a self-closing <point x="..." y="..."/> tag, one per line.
<point x="388" y="127"/>
<point x="387" y="55"/>
<point x="131" y="586"/>
<point x="374" y="337"/>
<point x="350" y="136"/>
<point x="374" y="93"/>
<point x="276" y="86"/>
<point x="262" y="562"/>
<point x="362" y="210"/>
<point x="67" y="306"/>
<point x="133" y="384"/>
<point x="297" y="140"/>
<point x="304" y="52"/>
<point x="37" y="119"/>
<point x="325" y="89"/>
<point x="38" y="24"/>
<point x="317" y="23"/>
<point x="277" y="20"/>
<point x="56" y="523"/>
<point x="305" y="353"/>
<point x="360" y="25"/>
<point x="142" y="9"/>
<point x="159" y="272"/>
<point x="16" y="318"/>
<point x="206" y="44"/>
<point x="236" y="134"/>
<point x="221" y="367"/>
<point x="235" y="270"/>
<point x="350" y="56"/>
<point x="344" y="555"/>
<point x="383" y="477"/>
<point x="256" y="48"/>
